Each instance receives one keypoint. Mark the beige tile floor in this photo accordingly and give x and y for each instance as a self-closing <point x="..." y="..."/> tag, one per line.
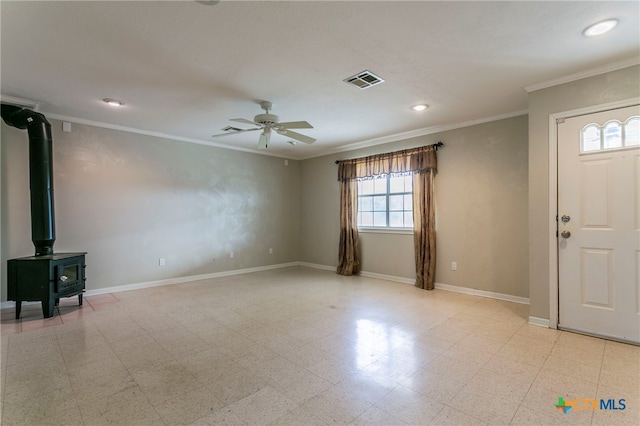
<point x="300" y="346"/>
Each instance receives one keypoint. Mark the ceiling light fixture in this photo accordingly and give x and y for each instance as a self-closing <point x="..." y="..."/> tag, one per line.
<point x="420" y="107"/>
<point x="600" y="28"/>
<point x="113" y="102"/>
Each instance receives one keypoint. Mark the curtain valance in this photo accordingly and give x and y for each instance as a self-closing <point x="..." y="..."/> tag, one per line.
<point x="423" y="164"/>
<point x="416" y="160"/>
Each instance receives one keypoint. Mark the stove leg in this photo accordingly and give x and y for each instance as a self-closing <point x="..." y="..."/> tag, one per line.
<point x="48" y="307"/>
<point x="80" y="299"/>
<point x="18" y="308"/>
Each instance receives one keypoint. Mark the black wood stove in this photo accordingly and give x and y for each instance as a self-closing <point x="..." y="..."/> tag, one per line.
<point x="46" y="279"/>
<point x="47" y="276"/>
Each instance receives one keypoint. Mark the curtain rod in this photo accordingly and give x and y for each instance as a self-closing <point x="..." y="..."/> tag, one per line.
<point x="437" y="145"/>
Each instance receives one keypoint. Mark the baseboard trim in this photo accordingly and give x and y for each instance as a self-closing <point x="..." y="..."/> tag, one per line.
<point x="394" y="278"/>
<point x="540" y="322"/>
<point x="168" y="281"/>
<point x="483" y="293"/>
<point x="318" y="266"/>
<point x="440" y="286"/>
<point x="158" y="283"/>
<point x="187" y="279"/>
<point x="362" y="273"/>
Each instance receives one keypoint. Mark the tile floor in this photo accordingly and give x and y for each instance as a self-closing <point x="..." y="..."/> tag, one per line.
<point x="300" y="346"/>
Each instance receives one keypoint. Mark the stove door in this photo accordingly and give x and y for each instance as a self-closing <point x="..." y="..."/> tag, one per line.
<point x="69" y="278"/>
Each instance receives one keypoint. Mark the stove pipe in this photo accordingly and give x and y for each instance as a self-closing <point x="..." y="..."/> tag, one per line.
<point x="43" y="227"/>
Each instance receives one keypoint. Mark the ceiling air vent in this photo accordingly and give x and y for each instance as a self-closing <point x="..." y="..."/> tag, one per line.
<point x="231" y="129"/>
<point x="364" y="80"/>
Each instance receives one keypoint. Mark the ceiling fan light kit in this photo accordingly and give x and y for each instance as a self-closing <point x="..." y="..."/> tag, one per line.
<point x="267" y="122"/>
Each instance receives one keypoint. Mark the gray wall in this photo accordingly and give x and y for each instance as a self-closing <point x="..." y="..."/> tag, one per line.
<point x="481" y="199"/>
<point x="129" y="199"/>
<point x="600" y="89"/>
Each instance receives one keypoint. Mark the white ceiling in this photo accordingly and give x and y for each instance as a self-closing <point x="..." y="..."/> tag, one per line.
<point x="184" y="68"/>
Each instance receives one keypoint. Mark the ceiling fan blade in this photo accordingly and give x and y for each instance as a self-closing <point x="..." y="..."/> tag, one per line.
<point x="295" y="125"/>
<point x="296" y="136"/>
<point x="263" y="142"/>
<point x="244" y="120"/>
<point x="234" y="132"/>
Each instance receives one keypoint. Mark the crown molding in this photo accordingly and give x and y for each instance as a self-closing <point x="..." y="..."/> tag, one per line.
<point x="350" y="147"/>
<point x="155" y="134"/>
<point x="613" y="66"/>
<point x="21" y="102"/>
<point x="625" y="63"/>
<point x="416" y="133"/>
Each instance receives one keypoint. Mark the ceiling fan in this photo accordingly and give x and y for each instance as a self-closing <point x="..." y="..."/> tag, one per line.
<point x="268" y="122"/>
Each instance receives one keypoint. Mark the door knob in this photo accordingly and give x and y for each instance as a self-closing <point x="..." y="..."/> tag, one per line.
<point x="565" y="218"/>
<point x="565" y="234"/>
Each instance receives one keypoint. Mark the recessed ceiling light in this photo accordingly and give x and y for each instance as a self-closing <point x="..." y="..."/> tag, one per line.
<point x="600" y="28"/>
<point x="113" y="102"/>
<point x="420" y="107"/>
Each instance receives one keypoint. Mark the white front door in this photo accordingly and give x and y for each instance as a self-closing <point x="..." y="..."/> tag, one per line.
<point x="599" y="223"/>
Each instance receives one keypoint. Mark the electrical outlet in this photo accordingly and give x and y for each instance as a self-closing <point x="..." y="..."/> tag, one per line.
<point x="231" y="255"/>
<point x="454" y="266"/>
<point x="161" y="261"/>
<point x="271" y="251"/>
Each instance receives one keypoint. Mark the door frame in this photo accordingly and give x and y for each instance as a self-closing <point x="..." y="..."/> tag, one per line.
<point x="554" y="269"/>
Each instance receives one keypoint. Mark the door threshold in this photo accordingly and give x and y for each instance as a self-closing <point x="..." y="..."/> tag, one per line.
<point x="619" y="339"/>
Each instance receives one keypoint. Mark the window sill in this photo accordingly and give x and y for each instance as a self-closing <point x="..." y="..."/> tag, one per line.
<point x="402" y="231"/>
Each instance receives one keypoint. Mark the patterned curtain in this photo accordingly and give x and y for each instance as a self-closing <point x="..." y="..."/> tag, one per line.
<point x="424" y="229"/>
<point x="422" y="162"/>
<point x="349" y="252"/>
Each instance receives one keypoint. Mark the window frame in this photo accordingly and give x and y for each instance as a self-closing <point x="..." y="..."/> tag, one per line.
<point x="387" y="194"/>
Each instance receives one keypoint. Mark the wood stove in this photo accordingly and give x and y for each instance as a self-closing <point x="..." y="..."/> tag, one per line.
<point x="46" y="279"/>
<point x="47" y="276"/>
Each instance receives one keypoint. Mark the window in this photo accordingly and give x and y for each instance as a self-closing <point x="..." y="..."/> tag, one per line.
<point x="632" y="132"/>
<point x="612" y="135"/>
<point x="386" y="202"/>
<point x="591" y="138"/>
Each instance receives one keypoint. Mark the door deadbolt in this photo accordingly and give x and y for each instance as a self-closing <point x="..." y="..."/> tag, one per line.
<point x="565" y="218"/>
<point x="565" y="234"/>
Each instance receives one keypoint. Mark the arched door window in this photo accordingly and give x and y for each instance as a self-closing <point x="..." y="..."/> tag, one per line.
<point x="611" y="135"/>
